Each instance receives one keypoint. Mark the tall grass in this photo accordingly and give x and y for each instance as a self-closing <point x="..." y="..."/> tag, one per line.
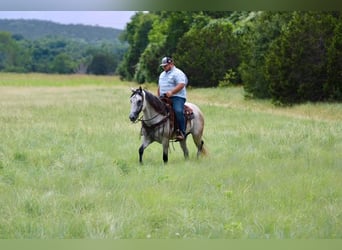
<point x="69" y="166"/>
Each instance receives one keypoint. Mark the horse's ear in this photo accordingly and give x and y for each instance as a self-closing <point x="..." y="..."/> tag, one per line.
<point x="140" y="89"/>
<point x="133" y="90"/>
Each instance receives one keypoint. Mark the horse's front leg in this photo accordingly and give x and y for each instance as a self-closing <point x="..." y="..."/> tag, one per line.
<point x="144" y="145"/>
<point x="141" y="152"/>
<point x="165" y="150"/>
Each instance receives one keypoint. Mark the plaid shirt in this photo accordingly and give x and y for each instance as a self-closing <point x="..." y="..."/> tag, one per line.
<point x="169" y="80"/>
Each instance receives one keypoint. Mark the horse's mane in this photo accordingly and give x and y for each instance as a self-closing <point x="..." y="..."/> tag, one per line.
<point x="156" y="103"/>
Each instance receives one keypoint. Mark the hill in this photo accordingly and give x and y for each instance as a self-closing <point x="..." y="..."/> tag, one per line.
<point x="36" y="29"/>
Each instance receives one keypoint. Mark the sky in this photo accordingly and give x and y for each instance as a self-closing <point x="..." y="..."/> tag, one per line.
<point x="112" y="19"/>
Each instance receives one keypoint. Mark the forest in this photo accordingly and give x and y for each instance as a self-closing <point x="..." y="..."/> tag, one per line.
<point x="48" y="47"/>
<point x="288" y="57"/>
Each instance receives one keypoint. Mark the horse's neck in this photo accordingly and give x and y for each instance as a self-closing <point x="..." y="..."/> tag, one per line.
<point x="149" y="111"/>
<point x="151" y="115"/>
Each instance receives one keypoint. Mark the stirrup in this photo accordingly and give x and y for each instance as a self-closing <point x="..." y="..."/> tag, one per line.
<point x="180" y="136"/>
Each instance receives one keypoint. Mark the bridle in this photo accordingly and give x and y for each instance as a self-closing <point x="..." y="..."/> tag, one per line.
<point x="140" y="119"/>
<point x="142" y="103"/>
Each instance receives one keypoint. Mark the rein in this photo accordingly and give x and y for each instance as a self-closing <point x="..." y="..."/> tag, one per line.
<point x="147" y="120"/>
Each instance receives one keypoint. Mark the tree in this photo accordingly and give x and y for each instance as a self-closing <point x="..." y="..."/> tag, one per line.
<point x="167" y="29"/>
<point x="12" y="56"/>
<point x="296" y="65"/>
<point x="258" y="31"/>
<point x="136" y="34"/>
<point x="207" y="53"/>
<point x="63" y="64"/>
<point x="7" y="48"/>
<point x="333" y="86"/>
<point x="102" y="64"/>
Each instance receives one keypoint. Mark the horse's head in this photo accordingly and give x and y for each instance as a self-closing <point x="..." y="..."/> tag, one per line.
<point x="137" y="103"/>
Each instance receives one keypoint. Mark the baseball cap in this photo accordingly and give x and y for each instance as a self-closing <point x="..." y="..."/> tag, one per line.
<point x="165" y="61"/>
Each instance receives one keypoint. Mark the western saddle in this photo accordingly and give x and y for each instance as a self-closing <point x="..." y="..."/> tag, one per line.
<point x="188" y="113"/>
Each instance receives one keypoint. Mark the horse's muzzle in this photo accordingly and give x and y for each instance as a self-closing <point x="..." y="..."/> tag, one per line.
<point x="133" y="117"/>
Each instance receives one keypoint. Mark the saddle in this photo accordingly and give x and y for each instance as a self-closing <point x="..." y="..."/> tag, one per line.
<point x="188" y="113"/>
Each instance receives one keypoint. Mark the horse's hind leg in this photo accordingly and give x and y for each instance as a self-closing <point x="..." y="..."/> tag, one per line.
<point x="201" y="149"/>
<point x="199" y="144"/>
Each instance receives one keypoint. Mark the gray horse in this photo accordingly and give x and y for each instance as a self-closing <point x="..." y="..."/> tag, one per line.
<point x="156" y="124"/>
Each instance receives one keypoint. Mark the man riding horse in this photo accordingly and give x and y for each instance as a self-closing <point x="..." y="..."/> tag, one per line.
<point x="157" y="119"/>
<point x="172" y="84"/>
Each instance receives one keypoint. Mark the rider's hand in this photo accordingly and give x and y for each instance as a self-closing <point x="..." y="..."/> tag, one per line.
<point x="169" y="93"/>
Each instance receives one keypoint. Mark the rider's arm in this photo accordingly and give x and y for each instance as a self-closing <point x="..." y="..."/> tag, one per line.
<point x="178" y="88"/>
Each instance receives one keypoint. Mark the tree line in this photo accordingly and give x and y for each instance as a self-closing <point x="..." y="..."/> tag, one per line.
<point x="47" y="47"/>
<point x="290" y="57"/>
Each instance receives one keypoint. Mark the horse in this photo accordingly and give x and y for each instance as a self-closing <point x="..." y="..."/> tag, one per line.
<point x="158" y="127"/>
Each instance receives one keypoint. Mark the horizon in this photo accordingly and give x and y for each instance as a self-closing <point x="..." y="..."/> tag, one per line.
<point x="58" y="23"/>
<point x="106" y="19"/>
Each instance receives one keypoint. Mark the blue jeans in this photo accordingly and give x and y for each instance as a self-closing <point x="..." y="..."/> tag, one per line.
<point x="178" y="106"/>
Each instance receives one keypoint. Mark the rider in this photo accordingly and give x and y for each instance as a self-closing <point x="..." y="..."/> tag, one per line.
<point x="172" y="83"/>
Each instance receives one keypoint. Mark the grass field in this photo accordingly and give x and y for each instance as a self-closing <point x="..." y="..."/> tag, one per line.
<point x="69" y="166"/>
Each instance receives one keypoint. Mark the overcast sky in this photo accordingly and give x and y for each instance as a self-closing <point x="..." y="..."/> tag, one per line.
<point x="112" y="19"/>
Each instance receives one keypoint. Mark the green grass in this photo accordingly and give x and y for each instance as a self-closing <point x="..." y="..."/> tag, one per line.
<point x="53" y="80"/>
<point x="69" y="166"/>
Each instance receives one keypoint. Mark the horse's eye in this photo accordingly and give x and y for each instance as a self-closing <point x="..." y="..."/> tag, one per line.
<point x="139" y="102"/>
